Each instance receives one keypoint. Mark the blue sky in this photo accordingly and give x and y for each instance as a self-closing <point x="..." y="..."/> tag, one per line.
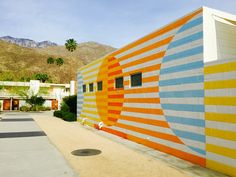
<point x="112" y="22"/>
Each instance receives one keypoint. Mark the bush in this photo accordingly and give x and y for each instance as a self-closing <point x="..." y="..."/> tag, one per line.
<point x="65" y="107"/>
<point x="69" y="117"/>
<point x="71" y="101"/>
<point x="25" y="108"/>
<point x="57" y="114"/>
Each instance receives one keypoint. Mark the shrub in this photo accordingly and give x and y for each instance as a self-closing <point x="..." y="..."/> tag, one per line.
<point x="65" y="107"/>
<point x="25" y="108"/>
<point x="71" y="101"/>
<point x="69" y="117"/>
<point x="57" y="114"/>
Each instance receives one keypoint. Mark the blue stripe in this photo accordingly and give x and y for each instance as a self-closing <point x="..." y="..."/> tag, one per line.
<point x="200" y="151"/>
<point x="186" y="40"/>
<point x="183" y="54"/>
<point x="183" y="80"/>
<point x="189" y="135"/>
<point x="79" y="102"/>
<point x="184" y="67"/>
<point x="184" y="107"/>
<point x="80" y="97"/>
<point x="191" y="24"/>
<point x="182" y="94"/>
<point x="186" y="121"/>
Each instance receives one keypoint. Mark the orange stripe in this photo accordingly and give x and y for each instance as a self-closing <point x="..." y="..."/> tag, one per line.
<point x="115" y="104"/>
<point x="142" y="100"/>
<point x="113" y="112"/>
<point x="115" y="132"/>
<point x="144" y="69"/>
<point x="175" y="152"/>
<point x="113" y="65"/>
<point x="143" y="110"/>
<point x="116" y="96"/>
<point x="111" y="58"/>
<point x="150" y="79"/>
<point x="144" y="59"/>
<point x="142" y="90"/>
<point x="111" y="81"/>
<point x="159" y="32"/>
<point x="115" y="73"/>
<point x="150" y="132"/>
<point x="112" y="119"/>
<point x="145" y="49"/>
<point x="159" y="123"/>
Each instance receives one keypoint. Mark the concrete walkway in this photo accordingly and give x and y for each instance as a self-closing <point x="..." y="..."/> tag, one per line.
<point x="119" y="157"/>
<point x="25" y="150"/>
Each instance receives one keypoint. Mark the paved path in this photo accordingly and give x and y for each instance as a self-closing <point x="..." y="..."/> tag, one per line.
<point x="25" y="150"/>
<point x="119" y="157"/>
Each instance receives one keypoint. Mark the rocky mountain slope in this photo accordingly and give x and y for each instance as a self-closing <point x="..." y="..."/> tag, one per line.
<point x="17" y="62"/>
<point x="27" y="42"/>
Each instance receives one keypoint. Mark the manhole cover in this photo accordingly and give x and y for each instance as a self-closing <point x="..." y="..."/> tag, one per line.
<point x="86" y="152"/>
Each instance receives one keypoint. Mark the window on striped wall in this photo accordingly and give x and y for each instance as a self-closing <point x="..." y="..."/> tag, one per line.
<point x="91" y="87"/>
<point x="99" y="85"/>
<point x="119" y="82"/>
<point x="136" y="79"/>
<point x="84" y="88"/>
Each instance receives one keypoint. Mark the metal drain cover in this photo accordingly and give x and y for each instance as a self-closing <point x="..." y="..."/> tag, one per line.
<point x="86" y="152"/>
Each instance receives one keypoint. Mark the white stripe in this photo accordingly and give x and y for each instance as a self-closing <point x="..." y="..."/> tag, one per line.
<point x="220" y="92"/>
<point x="88" y="102"/>
<point x="143" y="115"/>
<point x="146" y="74"/>
<point x="91" y="115"/>
<point x="221" y="125"/>
<point x="220" y="76"/>
<point x="92" y="79"/>
<point x="145" y="54"/>
<point x="91" y="73"/>
<point x="188" y="128"/>
<point x="142" y="65"/>
<point x="184" y="47"/>
<point x="142" y="95"/>
<point x="91" y="67"/>
<point x="142" y="105"/>
<point x="194" y="115"/>
<point x="149" y="42"/>
<point x="182" y="100"/>
<point x="218" y="62"/>
<point x="189" y="73"/>
<point x="193" y="143"/>
<point x="182" y="87"/>
<point x="148" y="127"/>
<point x="185" y="60"/>
<point x="171" y="144"/>
<point x="221" y="159"/>
<point x="220" y="109"/>
<point x="220" y="142"/>
<point x="144" y="85"/>
<point x="90" y="109"/>
<point x="188" y="32"/>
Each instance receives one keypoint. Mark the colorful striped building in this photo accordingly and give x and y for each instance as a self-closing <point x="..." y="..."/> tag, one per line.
<point x="173" y="90"/>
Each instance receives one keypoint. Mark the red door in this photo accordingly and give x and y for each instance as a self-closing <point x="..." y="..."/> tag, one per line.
<point x="54" y="105"/>
<point x="6" y="104"/>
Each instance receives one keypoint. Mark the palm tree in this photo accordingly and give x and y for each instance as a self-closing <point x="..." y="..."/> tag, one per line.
<point x="71" y="45"/>
<point x="50" y="60"/>
<point x="59" y="61"/>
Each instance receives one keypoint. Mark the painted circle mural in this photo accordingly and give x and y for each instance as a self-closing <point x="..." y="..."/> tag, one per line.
<point x="109" y="100"/>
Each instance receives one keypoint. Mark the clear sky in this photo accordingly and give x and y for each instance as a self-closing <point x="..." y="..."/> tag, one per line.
<point x="112" y="22"/>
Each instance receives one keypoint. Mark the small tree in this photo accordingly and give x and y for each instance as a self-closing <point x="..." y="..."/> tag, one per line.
<point x="50" y="60"/>
<point x="71" y="45"/>
<point x="42" y="77"/>
<point x="35" y="100"/>
<point x="59" y="61"/>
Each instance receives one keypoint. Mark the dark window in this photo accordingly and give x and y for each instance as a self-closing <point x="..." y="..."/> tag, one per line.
<point x="99" y="85"/>
<point x="84" y="88"/>
<point x="136" y="79"/>
<point x="91" y="87"/>
<point x="119" y="82"/>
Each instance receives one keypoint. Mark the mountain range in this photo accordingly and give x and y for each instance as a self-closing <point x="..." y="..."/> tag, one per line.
<point x="18" y="62"/>
<point x="27" y="42"/>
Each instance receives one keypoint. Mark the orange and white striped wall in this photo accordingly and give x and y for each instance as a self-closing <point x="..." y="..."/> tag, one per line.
<point x="184" y="105"/>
